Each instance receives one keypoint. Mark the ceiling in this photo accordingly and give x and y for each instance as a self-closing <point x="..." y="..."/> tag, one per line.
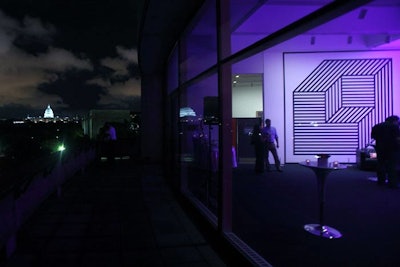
<point x="376" y="23"/>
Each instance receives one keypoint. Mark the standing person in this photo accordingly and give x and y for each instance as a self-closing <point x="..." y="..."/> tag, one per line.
<point x="110" y="138"/>
<point x="387" y="143"/>
<point x="257" y="142"/>
<point x="270" y="136"/>
<point x="111" y="133"/>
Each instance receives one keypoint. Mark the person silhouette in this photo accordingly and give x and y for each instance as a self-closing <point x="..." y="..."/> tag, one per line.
<point x="387" y="145"/>
<point x="270" y="136"/>
<point x="258" y="143"/>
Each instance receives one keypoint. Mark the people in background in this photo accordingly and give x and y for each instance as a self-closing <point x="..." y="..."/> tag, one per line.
<point x="387" y="146"/>
<point x="111" y="134"/>
<point x="259" y="149"/>
<point x="270" y="136"/>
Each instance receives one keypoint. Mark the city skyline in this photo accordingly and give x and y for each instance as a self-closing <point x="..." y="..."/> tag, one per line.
<point x="73" y="65"/>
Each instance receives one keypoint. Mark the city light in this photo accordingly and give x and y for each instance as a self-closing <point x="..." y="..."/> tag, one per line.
<point x="61" y="148"/>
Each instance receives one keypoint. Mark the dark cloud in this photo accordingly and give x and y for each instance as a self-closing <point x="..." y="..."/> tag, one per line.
<point x="83" y="95"/>
<point x="134" y="70"/>
<point x="94" y="28"/>
<point x="31" y="44"/>
<point x="33" y="36"/>
<point x="74" y="55"/>
<point x="132" y="103"/>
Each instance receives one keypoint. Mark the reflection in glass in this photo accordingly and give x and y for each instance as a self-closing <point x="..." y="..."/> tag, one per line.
<point x="199" y="44"/>
<point x="199" y="139"/>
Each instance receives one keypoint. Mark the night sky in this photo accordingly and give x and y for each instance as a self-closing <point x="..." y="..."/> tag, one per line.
<point x="74" y="55"/>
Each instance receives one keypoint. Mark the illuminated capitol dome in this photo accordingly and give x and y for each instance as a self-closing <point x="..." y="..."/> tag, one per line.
<point x="48" y="117"/>
<point x="48" y="113"/>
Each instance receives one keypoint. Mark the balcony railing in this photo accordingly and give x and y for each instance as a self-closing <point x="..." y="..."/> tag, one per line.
<point x="25" y="188"/>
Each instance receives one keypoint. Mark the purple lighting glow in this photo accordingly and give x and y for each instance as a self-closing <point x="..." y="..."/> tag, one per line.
<point x="394" y="44"/>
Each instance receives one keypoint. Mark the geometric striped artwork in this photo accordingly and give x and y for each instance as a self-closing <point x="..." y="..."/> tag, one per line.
<point x="336" y="105"/>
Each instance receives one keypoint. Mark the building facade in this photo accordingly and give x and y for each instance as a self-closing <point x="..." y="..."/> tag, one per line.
<point x="324" y="72"/>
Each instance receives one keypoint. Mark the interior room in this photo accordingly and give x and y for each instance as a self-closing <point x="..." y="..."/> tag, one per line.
<point x="324" y="78"/>
<point x="323" y="89"/>
<point x="355" y="58"/>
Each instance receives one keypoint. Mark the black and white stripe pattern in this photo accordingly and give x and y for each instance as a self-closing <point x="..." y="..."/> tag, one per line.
<point x="335" y="107"/>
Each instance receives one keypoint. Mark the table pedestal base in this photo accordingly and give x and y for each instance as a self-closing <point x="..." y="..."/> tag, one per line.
<point x="322" y="231"/>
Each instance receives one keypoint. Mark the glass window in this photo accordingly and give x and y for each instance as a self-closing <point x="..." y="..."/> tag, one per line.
<point x="199" y="45"/>
<point x="172" y="71"/>
<point x="172" y="146"/>
<point x="199" y="133"/>
<point x="299" y="77"/>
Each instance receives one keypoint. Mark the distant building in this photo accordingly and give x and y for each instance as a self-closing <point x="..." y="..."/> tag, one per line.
<point x="97" y="118"/>
<point x="48" y="113"/>
<point x="48" y="117"/>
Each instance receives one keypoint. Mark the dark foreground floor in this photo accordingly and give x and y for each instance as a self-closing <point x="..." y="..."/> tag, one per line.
<point x="120" y="216"/>
<point x="271" y="209"/>
<point x="127" y="216"/>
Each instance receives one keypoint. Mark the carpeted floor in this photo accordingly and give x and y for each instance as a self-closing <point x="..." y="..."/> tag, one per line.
<point x="271" y="209"/>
